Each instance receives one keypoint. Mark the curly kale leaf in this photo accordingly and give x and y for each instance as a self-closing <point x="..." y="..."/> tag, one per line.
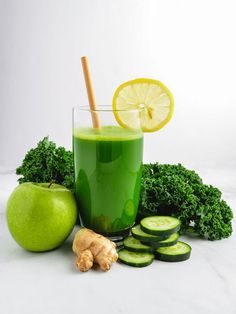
<point x="45" y="163"/>
<point x="175" y="190"/>
<point x="165" y="190"/>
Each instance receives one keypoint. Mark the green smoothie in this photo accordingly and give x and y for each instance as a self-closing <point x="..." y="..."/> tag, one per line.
<point x="107" y="177"/>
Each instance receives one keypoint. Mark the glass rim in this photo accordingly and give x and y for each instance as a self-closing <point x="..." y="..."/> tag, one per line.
<point x="105" y="108"/>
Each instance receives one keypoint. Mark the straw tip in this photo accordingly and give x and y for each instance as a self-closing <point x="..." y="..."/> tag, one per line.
<point x="84" y="58"/>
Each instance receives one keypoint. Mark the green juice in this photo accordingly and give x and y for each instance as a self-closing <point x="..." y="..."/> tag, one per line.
<point x="107" y="177"/>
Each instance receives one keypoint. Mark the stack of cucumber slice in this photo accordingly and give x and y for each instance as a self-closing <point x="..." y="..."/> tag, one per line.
<point x="155" y="237"/>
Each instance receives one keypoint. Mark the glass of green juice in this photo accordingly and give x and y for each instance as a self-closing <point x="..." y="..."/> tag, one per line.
<point x="108" y="168"/>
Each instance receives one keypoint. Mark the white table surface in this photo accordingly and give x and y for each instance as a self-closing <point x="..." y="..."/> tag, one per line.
<point x="48" y="283"/>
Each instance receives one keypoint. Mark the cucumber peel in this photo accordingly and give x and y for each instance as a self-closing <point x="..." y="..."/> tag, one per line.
<point x="135" y="259"/>
<point x="134" y="245"/>
<point x="139" y="234"/>
<point x="171" y="240"/>
<point x="160" y="225"/>
<point x="181" y="251"/>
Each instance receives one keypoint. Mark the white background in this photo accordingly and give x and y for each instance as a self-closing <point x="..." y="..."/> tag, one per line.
<point x="189" y="45"/>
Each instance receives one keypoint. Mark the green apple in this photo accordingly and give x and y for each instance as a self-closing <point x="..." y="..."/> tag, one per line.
<point x="41" y="216"/>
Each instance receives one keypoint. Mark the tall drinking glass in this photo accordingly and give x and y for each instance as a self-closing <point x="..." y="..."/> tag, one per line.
<point x="107" y="164"/>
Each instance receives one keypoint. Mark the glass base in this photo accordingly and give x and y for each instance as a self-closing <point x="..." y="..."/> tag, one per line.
<point x="116" y="237"/>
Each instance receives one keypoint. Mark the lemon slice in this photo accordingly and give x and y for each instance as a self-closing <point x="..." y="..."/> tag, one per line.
<point x="152" y="97"/>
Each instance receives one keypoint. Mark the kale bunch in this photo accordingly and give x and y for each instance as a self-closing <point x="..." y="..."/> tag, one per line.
<point x="177" y="191"/>
<point x="45" y="163"/>
<point x="165" y="190"/>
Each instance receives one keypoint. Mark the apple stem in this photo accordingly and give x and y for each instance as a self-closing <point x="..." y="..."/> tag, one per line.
<point x="50" y="184"/>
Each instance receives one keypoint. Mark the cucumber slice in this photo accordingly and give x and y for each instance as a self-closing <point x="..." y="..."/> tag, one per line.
<point x="176" y="253"/>
<point x="135" y="259"/>
<point x="171" y="240"/>
<point x="160" y="225"/>
<point x="139" y="234"/>
<point x="134" y="245"/>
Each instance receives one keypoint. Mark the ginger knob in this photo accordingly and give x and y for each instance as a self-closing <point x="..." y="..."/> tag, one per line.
<point x="93" y="248"/>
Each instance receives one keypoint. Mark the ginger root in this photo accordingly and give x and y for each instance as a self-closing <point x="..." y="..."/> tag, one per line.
<point x="91" y="247"/>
